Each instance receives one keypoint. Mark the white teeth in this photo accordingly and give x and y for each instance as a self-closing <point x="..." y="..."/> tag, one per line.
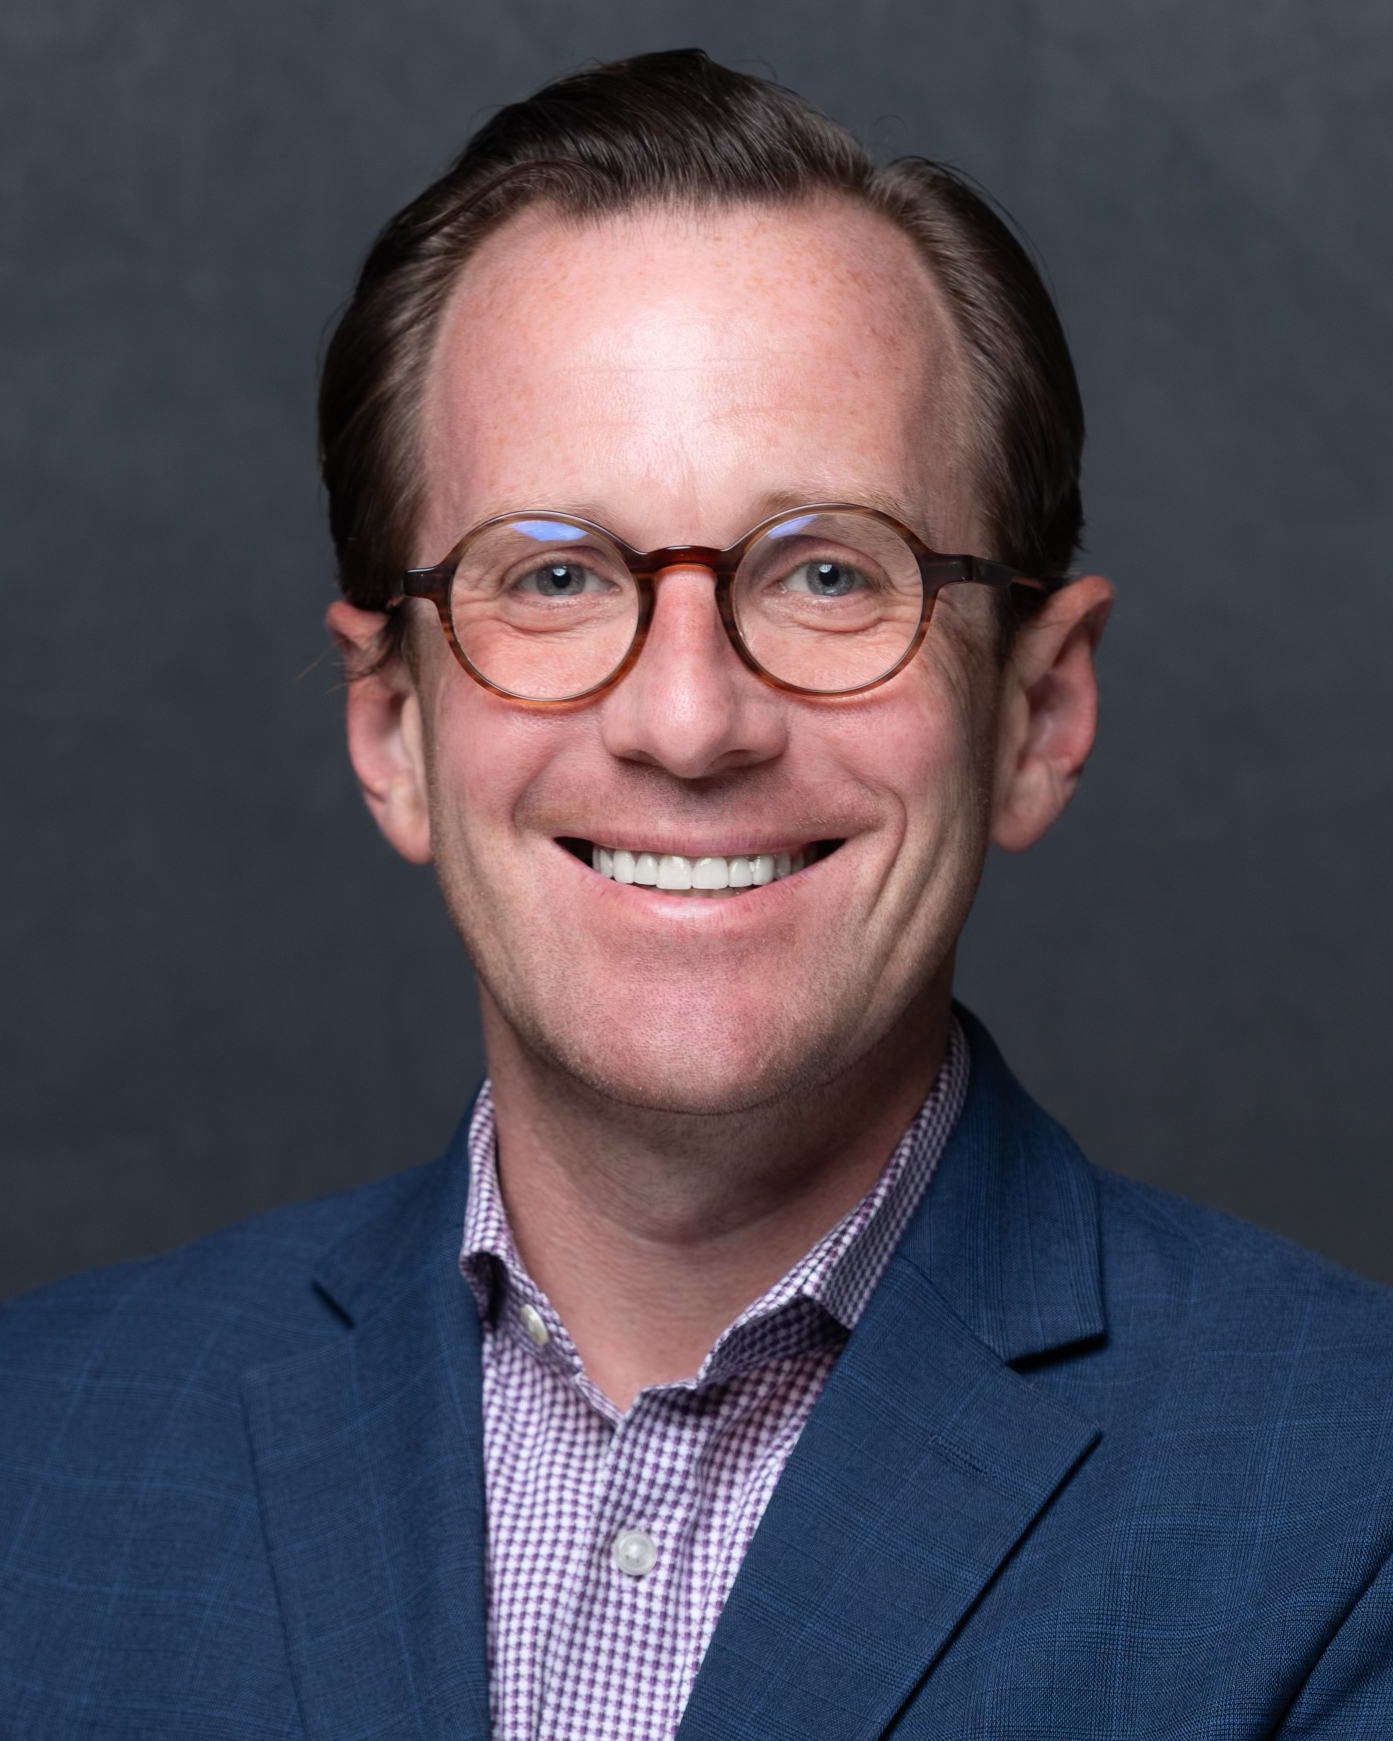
<point x="674" y="872"/>
<point x="703" y="876"/>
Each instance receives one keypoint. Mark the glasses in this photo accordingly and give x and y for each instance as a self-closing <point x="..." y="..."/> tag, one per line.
<point x="548" y="608"/>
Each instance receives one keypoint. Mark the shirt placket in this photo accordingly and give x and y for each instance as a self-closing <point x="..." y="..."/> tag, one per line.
<point x="612" y="1671"/>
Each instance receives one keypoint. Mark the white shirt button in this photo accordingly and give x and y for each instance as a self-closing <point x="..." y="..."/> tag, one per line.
<point x="634" y="1552"/>
<point x="532" y="1322"/>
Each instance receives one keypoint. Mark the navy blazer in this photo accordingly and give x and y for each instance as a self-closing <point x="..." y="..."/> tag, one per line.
<point x="1094" y="1464"/>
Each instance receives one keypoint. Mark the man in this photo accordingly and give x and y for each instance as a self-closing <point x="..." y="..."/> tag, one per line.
<point x="760" y="1361"/>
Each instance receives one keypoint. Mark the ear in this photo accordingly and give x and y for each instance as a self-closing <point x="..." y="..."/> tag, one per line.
<point x="1049" y="711"/>
<point x="385" y="741"/>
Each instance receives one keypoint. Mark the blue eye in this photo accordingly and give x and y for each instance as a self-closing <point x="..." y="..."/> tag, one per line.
<point x="825" y="579"/>
<point x="560" y="580"/>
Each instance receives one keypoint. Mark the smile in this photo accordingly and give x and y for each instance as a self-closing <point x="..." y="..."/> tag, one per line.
<point x="708" y="875"/>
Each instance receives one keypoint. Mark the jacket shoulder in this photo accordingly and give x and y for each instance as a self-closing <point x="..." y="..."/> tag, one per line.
<point x="1242" y="1315"/>
<point x="234" y="1299"/>
<point x="1215" y="1248"/>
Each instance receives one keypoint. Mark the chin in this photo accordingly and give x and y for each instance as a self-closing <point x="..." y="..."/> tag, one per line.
<point x="654" y="1081"/>
<point x="705" y="1067"/>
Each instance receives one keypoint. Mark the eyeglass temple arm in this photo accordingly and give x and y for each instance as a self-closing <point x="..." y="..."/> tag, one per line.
<point x="427" y="583"/>
<point x="983" y="572"/>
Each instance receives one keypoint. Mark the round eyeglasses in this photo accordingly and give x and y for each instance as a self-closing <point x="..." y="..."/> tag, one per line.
<point x="546" y="607"/>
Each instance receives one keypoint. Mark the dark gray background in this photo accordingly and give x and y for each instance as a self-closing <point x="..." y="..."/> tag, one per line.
<point x="220" y="989"/>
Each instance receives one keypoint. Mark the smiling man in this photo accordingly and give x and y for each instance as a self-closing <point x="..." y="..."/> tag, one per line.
<point x="760" y="1361"/>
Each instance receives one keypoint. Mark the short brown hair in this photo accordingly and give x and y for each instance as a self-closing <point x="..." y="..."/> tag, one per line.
<point x="678" y="129"/>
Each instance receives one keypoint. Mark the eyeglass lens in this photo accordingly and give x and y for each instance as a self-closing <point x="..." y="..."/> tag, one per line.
<point x="546" y="610"/>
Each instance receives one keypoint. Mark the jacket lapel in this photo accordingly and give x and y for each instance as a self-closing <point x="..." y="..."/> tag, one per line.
<point x="368" y="1455"/>
<point x="927" y="1457"/>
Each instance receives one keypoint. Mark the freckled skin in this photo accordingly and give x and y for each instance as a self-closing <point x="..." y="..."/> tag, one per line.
<point x="691" y="1091"/>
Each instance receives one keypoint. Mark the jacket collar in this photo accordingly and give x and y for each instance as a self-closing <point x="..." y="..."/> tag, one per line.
<point x="417" y="1229"/>
<point x="1008" y="1233"/>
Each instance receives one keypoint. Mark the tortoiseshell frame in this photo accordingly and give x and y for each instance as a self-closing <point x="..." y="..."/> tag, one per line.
<point x="935" y="569"/>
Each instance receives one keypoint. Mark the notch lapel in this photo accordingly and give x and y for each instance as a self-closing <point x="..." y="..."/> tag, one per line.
<point x="369" y="1466"/>
<point x="927" y="1458"/>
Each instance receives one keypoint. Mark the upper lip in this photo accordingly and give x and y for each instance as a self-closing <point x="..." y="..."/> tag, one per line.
<point x="726" y="846"/>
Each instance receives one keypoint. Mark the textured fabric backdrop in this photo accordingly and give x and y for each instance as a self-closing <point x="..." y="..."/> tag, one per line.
<point x="221" y="991"/>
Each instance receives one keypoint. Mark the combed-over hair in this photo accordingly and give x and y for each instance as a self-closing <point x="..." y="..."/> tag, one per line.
<point x="678" y="129"/>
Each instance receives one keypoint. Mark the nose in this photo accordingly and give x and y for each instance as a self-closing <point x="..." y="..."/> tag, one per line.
<point x="689" y="705"/>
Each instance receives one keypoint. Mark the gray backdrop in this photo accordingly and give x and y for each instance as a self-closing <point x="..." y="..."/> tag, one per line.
<point x="220" y="989"/>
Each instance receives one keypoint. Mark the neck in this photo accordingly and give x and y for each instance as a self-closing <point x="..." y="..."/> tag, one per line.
<point x="650" y="1232"/>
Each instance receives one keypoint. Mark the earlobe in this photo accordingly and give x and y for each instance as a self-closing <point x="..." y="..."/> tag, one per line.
<point x="385" y="740"/>
<point x="1049" y="712"/>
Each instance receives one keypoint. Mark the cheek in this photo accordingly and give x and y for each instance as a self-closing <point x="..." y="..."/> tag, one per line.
<point x="924" y="747"/>
<point x="482" y="758"/>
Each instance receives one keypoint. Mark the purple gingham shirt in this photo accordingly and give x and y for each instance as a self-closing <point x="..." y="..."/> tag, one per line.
<point x="613" y="1540"/>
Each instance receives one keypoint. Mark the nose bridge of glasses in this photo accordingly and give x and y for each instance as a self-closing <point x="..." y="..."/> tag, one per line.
<point x="652" y="564"/>
<point x="655" y="565"/>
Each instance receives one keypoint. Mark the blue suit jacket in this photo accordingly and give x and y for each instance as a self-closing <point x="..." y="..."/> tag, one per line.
<point x="1095" y="1463"/>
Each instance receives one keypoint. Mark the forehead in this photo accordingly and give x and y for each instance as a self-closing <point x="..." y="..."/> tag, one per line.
<point x="677" y="374"/>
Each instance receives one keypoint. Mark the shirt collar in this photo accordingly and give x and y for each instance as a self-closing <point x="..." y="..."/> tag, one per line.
<point x="821" y="1296"/>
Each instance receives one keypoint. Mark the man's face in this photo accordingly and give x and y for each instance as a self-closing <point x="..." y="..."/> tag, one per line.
<point x="677" y="378"/>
